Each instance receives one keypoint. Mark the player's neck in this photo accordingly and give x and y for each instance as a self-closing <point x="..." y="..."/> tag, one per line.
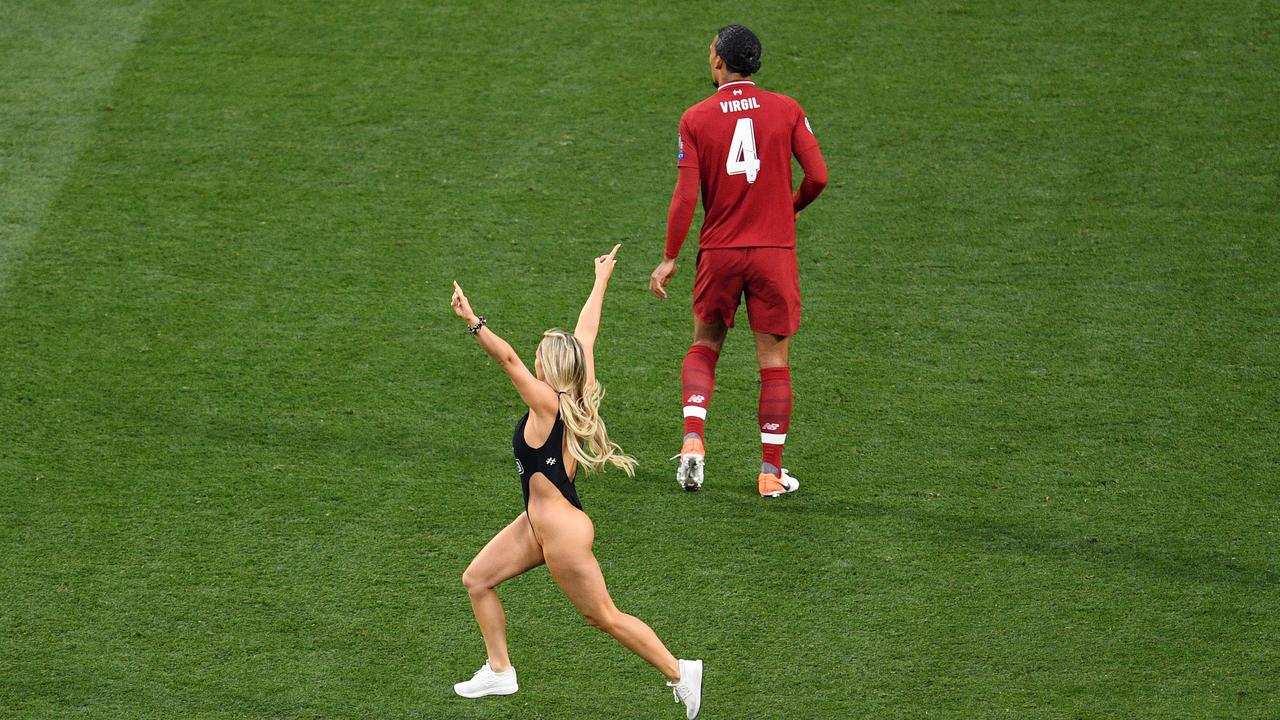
<point x="735" y="78"/>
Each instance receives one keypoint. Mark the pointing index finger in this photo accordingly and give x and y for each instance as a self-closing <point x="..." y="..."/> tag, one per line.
<point x="614" y="251"/>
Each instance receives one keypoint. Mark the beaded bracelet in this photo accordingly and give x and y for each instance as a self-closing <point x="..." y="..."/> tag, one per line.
<point x="473" y="329"/>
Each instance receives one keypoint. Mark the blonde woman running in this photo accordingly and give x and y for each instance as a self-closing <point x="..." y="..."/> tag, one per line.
<point x="561" y="433"/>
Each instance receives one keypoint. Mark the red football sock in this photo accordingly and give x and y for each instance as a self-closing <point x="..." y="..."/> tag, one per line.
<point x="697" y="380"/>
<point x="775" y="416"/>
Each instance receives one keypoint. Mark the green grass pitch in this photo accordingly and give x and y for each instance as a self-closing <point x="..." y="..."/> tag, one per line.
<point x="246" y="450"/>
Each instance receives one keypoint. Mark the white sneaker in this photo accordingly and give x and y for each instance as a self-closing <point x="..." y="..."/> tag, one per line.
<point x="689" y="689"/>
<point x="689" y="473"/>
<point x="488" y="682"/>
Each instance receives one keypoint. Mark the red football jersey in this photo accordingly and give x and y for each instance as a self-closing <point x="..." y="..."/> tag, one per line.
<point x="741" y="139"/>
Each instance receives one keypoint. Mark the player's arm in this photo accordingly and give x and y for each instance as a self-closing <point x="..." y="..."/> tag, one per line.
<point x="815" y="177"/>
<point x="805" y="147"/>
<point x="539" y="396"/>
<point x="588" y="326"/>
<point x="684" y="201"/>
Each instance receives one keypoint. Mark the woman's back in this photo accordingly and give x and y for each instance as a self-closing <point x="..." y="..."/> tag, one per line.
<point x="544" y="456"/>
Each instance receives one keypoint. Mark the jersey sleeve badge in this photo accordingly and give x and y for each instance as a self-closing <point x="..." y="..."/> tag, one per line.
<point x="680" y="146"/>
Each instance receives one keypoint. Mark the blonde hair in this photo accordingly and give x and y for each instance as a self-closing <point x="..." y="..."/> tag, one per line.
<point x="564" y="364"/>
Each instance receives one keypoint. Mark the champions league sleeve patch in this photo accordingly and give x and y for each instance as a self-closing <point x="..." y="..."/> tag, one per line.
<point x="680" y="146"/>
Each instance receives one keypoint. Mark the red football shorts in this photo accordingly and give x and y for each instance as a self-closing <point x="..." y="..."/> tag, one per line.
<point x="767" y="276"/>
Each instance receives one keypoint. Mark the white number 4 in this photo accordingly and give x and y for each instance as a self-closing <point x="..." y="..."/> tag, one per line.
<point x="742" y="151"/>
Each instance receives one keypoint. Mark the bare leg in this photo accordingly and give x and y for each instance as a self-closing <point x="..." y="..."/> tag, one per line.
<point x="710" y="334"/>
<point x="567" y="539"/>
<point x="771" y="350"/>
<point x="511" y="552"/>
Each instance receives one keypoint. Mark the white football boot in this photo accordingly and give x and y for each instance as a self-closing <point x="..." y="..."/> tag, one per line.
<point x="487" y="682"/>
<point x="690" y="472"/>
<point x="689" y="690"/>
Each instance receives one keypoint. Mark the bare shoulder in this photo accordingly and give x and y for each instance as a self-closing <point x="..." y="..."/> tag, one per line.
<point x="545" y="402"/>
<point x="538" y="427"/>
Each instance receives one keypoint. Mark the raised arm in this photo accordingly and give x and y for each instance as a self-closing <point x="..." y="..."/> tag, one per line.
<point x="588" y="326"/>
<point x="538" y="395"/>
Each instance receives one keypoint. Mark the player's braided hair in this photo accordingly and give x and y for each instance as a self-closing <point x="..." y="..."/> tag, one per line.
<point x="739" y="48"/>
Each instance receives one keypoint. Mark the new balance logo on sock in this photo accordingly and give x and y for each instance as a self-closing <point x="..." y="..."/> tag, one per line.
<point x="697" y="383"/>
<point x="774" y="416"/>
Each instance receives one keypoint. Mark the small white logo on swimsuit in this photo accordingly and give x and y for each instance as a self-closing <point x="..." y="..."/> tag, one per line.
<point x="551" y="461"/>
<point x="770" y="426"/>
<point x="696" y="399"/>
<point x="519" y="467"/>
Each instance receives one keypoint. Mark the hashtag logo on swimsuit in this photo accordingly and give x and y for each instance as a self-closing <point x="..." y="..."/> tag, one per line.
<point x="551" y="461"/>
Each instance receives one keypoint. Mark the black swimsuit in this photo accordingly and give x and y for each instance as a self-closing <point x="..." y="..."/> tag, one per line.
<point x="546" y="460"/>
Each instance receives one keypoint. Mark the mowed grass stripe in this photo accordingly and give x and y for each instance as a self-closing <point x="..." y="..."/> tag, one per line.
<point x="60" y="60"/>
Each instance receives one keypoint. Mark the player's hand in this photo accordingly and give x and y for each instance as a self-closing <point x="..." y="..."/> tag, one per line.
<point x="461" y="305"/>
<point x="660" y="277"/>
<point x="606" y="263"/>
